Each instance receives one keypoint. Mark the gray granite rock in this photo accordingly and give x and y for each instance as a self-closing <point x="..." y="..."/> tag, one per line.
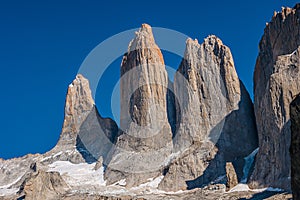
<point x="276" y="83"/>
<point x="85" y="136"/>
<point x="215" y="119"/>
<point x="146" y="139"/>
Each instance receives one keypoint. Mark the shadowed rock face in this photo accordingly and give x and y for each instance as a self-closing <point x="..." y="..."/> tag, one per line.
<point x="276" y="82"/>
<point x="85" y="137"/>
<point x="295" y="147"/>
<point x="84" y="132"/>
<point x="213" y="108"/>
<point x="146" y="139"/>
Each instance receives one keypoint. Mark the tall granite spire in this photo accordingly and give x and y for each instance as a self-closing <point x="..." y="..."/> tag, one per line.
<point x="147" y="137"/>
<point x="215" y="119"/>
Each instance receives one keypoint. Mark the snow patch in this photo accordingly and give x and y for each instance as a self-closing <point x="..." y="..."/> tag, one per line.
<point x="52" y="156"/>
<point x="240" y="187"/>
<point x="244" y="187"/>
<point x="12" y="183"/>
<point x="78" y="174"/>
<point x="121" y="182"/>
<point x="153" y="183"/>
<point x="6" y="192"/>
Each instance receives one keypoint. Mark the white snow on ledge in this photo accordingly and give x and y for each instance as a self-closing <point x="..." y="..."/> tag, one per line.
<point x="78" y="174"/>
<point x="6" y="192"/>
<point x="244" y="187"/>
<point x="12" y="183"/>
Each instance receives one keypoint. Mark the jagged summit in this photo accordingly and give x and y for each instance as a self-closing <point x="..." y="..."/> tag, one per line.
<point x="214" y="115"/>
<point x="147" y="135"/>
<point x="209" y="142"/>
<point x="276" y="83"/>
<point x="79" y="103"/>
<point x="285" y="11"/>
<point x="143" y="39"/>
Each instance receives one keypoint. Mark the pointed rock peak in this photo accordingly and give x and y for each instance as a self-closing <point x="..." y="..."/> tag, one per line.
<point x="285" y="11"/>
<point x="143" y="39"/>
<point x="192" y="47"/>
<point x="213" y="40"/>
<point x="147" y="28"/>
<point x="79" y="102"/>
<point x="190" y="43"/>
<point x="211" y="44"/>
<point x="79" y="90"/>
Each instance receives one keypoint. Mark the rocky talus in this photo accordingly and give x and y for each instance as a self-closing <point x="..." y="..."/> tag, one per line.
<point x="276" y="83"/>
<point x="146" y="139"/>
<point x="213" y="107"/>
<point x="295" y="147"/>
<point x="45" y="185"/>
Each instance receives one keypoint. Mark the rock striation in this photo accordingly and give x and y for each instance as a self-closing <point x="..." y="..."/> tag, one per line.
<point x="85" y="133"/>
<point x="276" y="83"/>
<point x="231" y="175"/>
<point x="198" y="132"/>
<point x="146" y="139"/>
<point x="86" y="137"/>
<point x="213" y="108"/>
<point x="295" y="147"/>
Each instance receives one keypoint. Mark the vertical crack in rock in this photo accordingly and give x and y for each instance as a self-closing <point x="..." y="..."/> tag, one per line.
<point x="146" y="140"/>
<point x="216" y="122"/>
<point x="276" y="82"/>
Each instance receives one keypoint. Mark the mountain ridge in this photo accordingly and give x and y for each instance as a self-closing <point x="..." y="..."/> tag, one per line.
<point x="186" y="144"/>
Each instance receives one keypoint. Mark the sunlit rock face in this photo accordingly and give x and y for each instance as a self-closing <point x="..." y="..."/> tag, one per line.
<point x="146" y="139"/>
<point x="215" y="119"/>
<point x="276" y="83"/>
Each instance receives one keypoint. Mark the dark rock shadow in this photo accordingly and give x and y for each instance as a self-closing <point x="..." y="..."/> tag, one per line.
<point x="96" y="137"/>
<point x="231" y="144"/>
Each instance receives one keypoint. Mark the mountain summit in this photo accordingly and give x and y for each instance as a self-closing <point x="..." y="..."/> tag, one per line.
<point x="193" y="138"/>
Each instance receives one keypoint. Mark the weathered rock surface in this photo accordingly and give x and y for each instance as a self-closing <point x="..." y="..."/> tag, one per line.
<point x="85" y="137"/>
<point x="146" y="139"/>
<point x="45" y="185"/>
<point x="213" y="108"/>
<point x="85" y="133"/>
<point x="232" y="179"/>
<point x="15" y="171"/>
<point x="295" y="147"/>
<point x="276" y="82"/>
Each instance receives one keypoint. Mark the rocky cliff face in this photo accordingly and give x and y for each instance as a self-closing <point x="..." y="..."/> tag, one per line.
<point x="201" y="135"/>
<point x="146" y="139"/>
<point x="213" y="108"/>
<point x="276" y="82"/>
<point x="86" y="137"/>
<point x="85" y="133"/>
<point x="295" y="147"/>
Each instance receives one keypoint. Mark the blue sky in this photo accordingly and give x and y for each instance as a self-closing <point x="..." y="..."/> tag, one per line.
<point x="43" y="43"/>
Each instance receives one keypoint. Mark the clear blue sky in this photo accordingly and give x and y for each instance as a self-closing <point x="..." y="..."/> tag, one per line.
<point x="43" y="43"/>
